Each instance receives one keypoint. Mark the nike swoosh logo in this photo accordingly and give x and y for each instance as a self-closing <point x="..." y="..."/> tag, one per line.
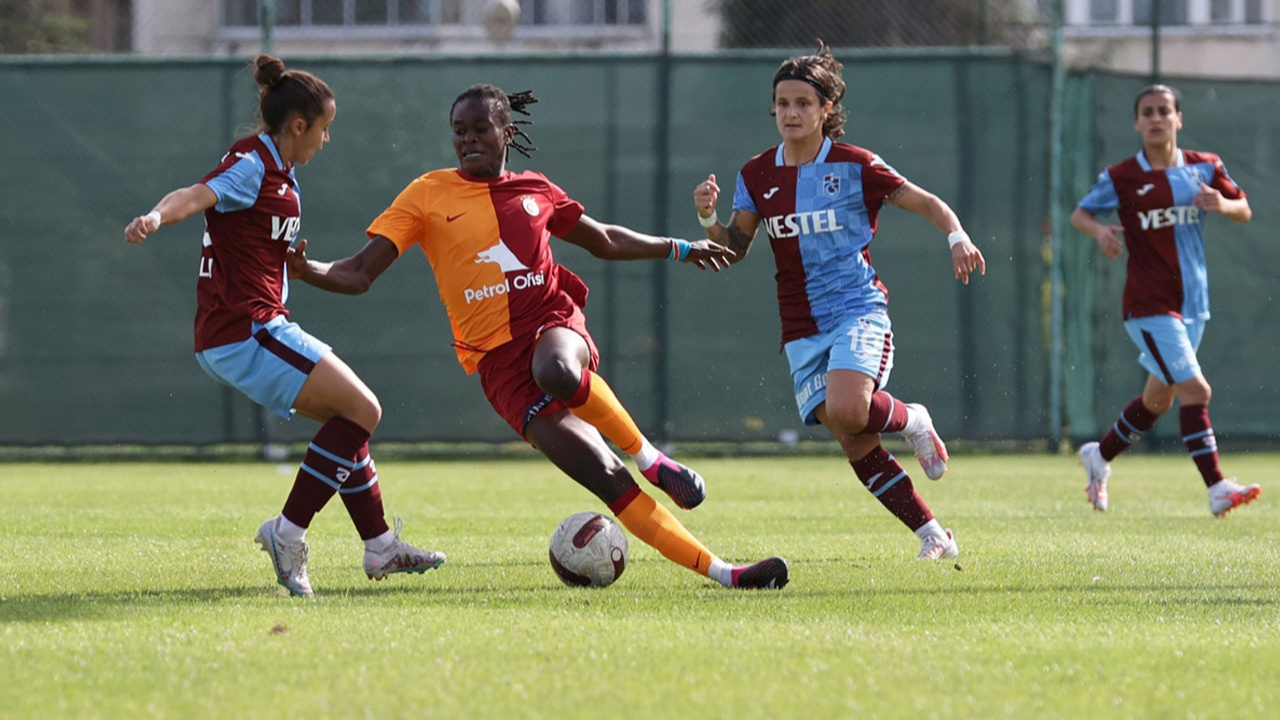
<point x="451" y="218"/>
<point x="1146" y="189"/>
<point x="769" y="194"/>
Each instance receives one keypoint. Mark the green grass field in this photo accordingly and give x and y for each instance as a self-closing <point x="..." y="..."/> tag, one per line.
<point x="134" y="590"/>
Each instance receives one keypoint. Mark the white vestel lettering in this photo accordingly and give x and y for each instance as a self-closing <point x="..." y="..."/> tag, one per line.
<point x="805" y="223"/>
<point x="206" y="264"/>
<point x="1165" y="217"/>
<point x="285" y="229"/>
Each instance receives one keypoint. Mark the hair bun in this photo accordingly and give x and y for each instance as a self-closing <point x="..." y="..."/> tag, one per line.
<point x="269" y="72"/>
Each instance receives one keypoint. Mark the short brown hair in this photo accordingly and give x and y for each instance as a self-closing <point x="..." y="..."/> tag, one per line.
<point x="1158" y="89"/>
<point x="822" y="71"/>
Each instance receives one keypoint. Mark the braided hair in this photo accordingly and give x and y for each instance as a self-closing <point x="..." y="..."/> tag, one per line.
<point x="504" y="104"/>
<point x="822" y="72"/>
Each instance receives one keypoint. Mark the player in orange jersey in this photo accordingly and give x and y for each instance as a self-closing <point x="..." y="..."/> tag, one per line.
<point x="517" y="317"/>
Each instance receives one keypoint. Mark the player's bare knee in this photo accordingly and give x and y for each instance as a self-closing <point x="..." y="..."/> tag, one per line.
<point x="558" y="376"/>
<point x="367" y="412"/>
<point x="848" y="420"/>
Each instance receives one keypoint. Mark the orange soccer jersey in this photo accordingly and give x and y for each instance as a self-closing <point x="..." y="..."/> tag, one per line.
<point x="488" y="242"/>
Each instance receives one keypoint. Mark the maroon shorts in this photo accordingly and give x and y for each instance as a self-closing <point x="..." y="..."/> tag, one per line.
<point x="506" y="371"/>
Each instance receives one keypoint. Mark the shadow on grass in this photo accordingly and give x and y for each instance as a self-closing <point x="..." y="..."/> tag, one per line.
<point x="495" y="592"/>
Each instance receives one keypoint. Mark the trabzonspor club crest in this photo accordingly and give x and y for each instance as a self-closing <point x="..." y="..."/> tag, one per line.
<point x="831" y="185"/>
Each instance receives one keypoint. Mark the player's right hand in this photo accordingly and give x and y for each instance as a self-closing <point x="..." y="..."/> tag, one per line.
<point x="295" y="258"/>
<point x="705" y="196"/>
<point x="704" y="253"/>
<point x="140" y="227"/>
<point x="1111" y="240"/>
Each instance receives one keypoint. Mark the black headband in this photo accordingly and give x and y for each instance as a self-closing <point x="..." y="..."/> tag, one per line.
<point x="822" y="94"/>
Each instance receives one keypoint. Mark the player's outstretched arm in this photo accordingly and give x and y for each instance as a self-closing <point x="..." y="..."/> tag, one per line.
<point x="965" y="256"/>
<point x="615" y="242"/>
<point x="172" y="208"/>
<point x="1109" y="237"/>
<point x="349" y="276"/>
<point x="738" y="234"/>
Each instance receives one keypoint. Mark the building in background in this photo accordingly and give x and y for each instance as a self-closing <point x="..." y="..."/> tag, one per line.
<point x="1227" y="38"/>
<point x="184" y="27"/>
<point x="1230" y="38"/>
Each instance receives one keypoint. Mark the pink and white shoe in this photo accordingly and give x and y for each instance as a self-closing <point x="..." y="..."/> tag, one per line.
<point x="1098" y="471"/>
<point x="937" y="547"/>
<point x="685" y="487"/>
<point x="929" y="449"/>
<point x="1227" y="495"/>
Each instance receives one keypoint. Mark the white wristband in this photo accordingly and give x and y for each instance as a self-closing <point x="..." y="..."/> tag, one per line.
<point x="708" y="222"/>
<point x="154" y="214"/>
<point x="958" y="236"/>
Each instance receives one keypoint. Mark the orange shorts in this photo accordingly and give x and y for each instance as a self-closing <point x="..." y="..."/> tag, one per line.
<point x="506" y="373"/>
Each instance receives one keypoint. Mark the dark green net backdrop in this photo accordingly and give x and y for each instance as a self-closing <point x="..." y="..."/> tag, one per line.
<point x="95" y="335"/>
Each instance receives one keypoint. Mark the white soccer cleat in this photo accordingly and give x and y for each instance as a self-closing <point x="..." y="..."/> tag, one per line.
<point x="929" y="449"/>
<point x="937" y="547"/>
<point x="288" y="558"/>
<point x="400" y="557"/>
<point x="1098" y="471"/>
<point x="1227" y="495"/>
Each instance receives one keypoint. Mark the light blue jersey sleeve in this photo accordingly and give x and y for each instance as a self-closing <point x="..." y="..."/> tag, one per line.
<point x="237" y="187"/>
<point x="1102" y="198"/>
<point x="742" y="199"/>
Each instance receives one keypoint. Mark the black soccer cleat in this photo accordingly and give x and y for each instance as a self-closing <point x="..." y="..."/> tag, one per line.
<point x="684" y="486"/>
<point x="768" y="574"/>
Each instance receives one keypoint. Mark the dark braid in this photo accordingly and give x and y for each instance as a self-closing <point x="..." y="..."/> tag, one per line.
<point x="821" y="71"/>
<point x="505" y="104"/>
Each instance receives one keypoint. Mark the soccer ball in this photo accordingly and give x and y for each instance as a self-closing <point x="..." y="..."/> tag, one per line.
<point x="588" y="550"/>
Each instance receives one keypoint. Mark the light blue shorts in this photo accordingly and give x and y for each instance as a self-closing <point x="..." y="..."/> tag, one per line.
<point x="1168" y="346"/>
<point x="863" y="343"/>
<point x="270" y="367"/>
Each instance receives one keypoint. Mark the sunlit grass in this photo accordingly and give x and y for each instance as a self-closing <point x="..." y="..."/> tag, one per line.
<point x="133" y="590"/>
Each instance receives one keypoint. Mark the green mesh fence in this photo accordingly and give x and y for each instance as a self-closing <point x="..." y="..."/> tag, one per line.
<point x="95" y="335"/>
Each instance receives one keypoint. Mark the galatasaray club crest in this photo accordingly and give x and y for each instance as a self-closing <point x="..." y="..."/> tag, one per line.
<point x="831" y="185"/>
<point x="530" y="205"/>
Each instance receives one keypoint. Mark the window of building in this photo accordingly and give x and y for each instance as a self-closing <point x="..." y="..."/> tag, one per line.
<point x="1190" y="13"/>
<point x="1172" y="12"/>
<point x="337" y="13"/>
<point x="1103" y="12"/>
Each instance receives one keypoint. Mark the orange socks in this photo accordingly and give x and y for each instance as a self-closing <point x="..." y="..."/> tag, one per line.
<point x="595" y="402"/>
<point x="655" y="525"/>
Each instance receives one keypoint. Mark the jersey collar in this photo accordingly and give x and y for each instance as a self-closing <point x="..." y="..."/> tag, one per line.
<point x="1146" y="166"/>
<point x="271" y="145"/>
<point x="822" y="154"/>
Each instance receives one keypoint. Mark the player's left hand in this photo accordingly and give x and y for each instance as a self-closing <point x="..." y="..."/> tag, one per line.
<point x="295" y="259"/>
<point x="965" y="258"/>
<point x="1208" y="199"/>
<point x="705" y="253"/>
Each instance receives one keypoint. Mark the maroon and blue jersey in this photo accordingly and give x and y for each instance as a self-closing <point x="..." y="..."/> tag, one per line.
<point x="820" y="218"/>
<point x="247" y="233"/>
<point x="1163" y="230"/>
